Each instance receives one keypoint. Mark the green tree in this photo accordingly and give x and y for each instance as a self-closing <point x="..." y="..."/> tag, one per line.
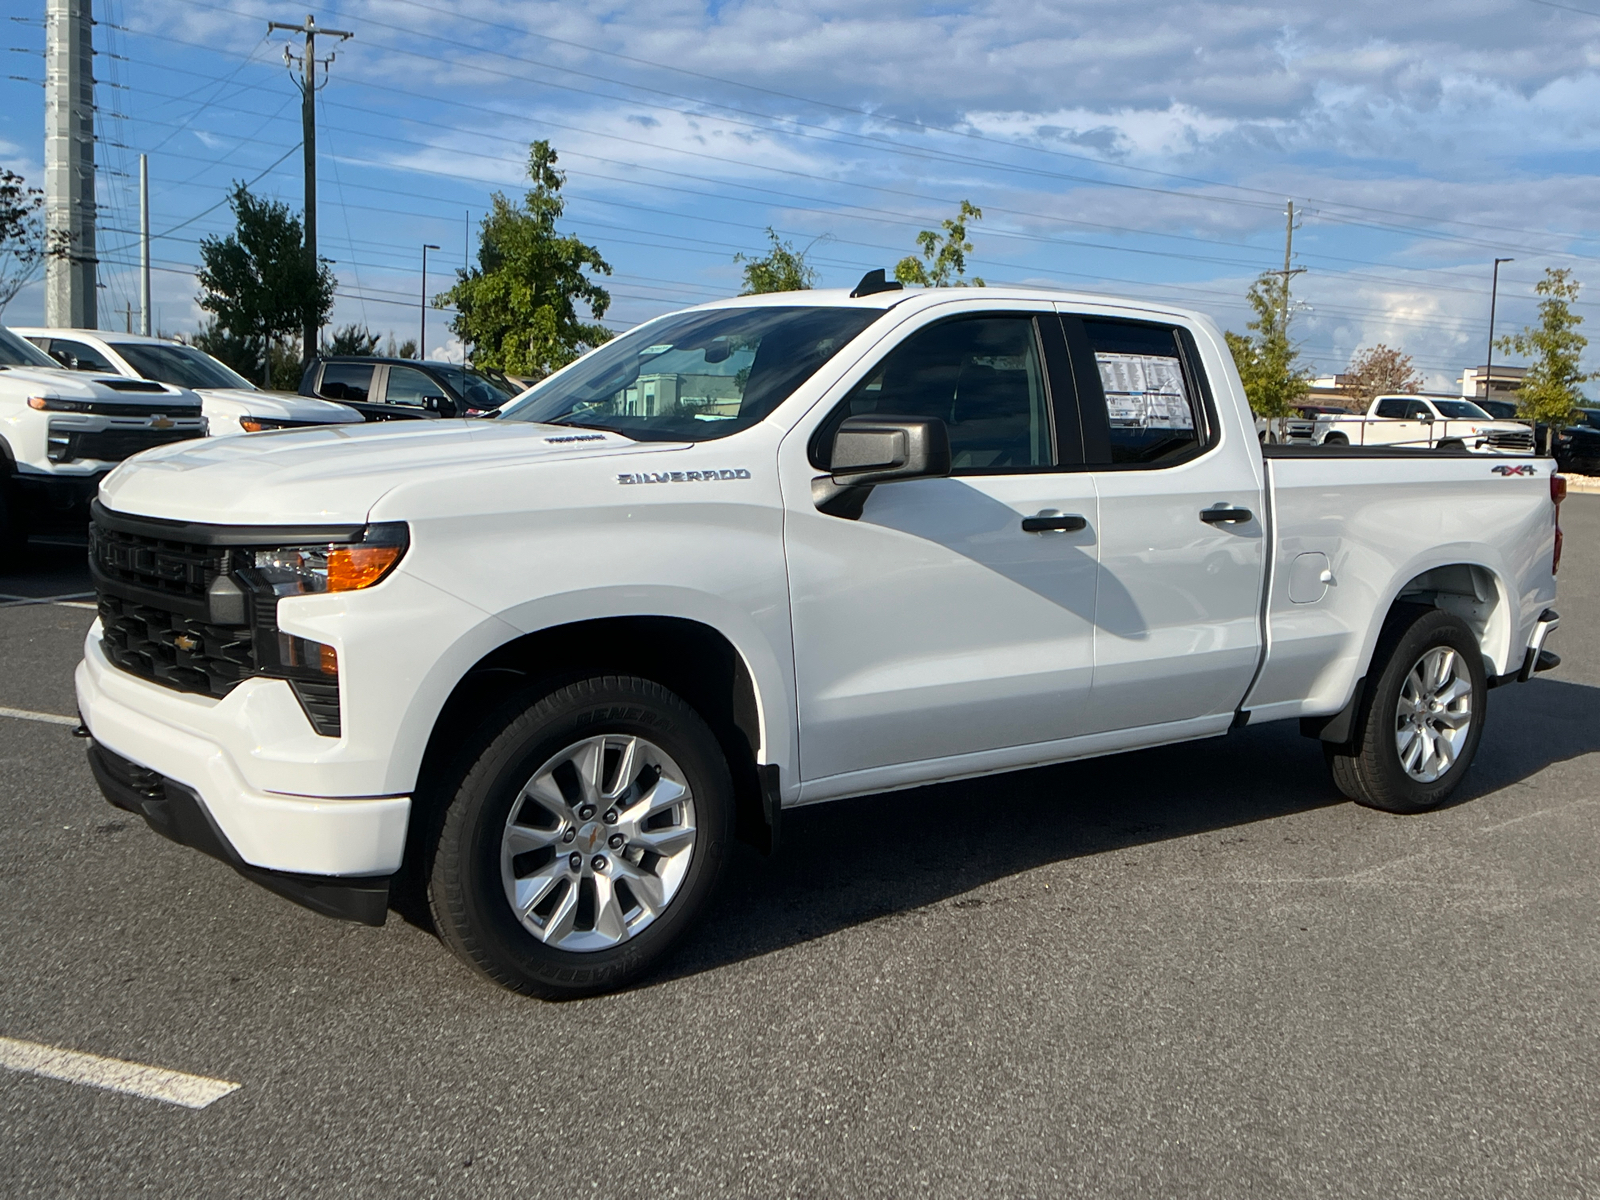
<point x="944" y="255"/>
<point x="21" y="234"/>
<point x="518" y="307"/>
<point x="352" y="339"/>
<point x="1549" y="391"/>
<point x="781" y="269"/>
<point x="1266" y="358"/>
<point x="258" y="285"/>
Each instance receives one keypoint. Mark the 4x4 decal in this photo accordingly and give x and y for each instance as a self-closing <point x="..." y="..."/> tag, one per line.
<point x="1523" y="469"/>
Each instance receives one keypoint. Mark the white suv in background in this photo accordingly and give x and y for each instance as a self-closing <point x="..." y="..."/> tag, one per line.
<point x="231" y="402"/>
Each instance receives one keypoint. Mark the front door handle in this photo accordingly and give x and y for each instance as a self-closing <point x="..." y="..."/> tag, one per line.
<point x="1053" y="522"/>
<point x="1225" y="516"/>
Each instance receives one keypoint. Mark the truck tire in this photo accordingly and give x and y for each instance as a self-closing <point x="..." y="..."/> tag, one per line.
<point x="582" y="838"/>
<point x="1452" y="446"/>
<point x="1336" y="439"/>
<point x="1422" y="719"/>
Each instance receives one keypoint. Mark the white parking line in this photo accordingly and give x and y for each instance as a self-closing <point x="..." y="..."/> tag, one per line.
<point x="65" y="600"/>
<point x="23" y="714"/>
<point x="113" y="1074"/>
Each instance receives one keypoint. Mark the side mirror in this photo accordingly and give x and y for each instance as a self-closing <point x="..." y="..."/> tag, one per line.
<point x="868" y="451"/>
<point x="1425" y="417"/>
<point x="441" y="405"/>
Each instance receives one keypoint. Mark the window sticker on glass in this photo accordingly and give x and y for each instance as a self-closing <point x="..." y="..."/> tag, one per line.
<point x="1144" y="391"/>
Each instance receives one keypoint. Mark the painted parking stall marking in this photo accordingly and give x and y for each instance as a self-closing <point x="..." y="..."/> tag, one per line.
<point x="113" y="1074"/>
<point x="25" y="714"/>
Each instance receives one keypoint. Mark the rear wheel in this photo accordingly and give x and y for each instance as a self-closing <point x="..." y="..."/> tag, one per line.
<point x="1453" y="445"/>
<point x="1423" y="718"/>
<point x="583" y="838"/>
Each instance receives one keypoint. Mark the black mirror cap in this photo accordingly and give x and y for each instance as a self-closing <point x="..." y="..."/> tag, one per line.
<point x="874" y="282"/>
<point x="873" y="449"/>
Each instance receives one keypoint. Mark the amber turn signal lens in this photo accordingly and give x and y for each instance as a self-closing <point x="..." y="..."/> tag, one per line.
<point x="351" y="568"/>
<point x="250" y="424"/>
<point x="330" y="661"/>
<point x="38" y="402"/>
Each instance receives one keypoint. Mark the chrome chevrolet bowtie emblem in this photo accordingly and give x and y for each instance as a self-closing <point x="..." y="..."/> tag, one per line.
<point x="160" y="422"/>
<point x="186" y="643"/>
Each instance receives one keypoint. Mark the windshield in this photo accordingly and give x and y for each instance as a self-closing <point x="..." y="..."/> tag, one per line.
<point x="181" y="365"/>
<point x="473" y="386"/>
<point x="1461" y="410"/>
<point x="16" y="352"/>
<point x="696" y="375"/>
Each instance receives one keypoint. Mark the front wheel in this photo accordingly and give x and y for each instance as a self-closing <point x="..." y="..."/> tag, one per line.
<point x="1336" y="439"/>
<point x="583" y="838"/>
<point x="1424" y="718"/>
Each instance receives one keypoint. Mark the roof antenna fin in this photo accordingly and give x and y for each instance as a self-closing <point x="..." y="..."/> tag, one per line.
<point x="874" y="282"/>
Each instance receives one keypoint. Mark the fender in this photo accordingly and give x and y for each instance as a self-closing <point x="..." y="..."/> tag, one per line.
<point x="771" y="672"/>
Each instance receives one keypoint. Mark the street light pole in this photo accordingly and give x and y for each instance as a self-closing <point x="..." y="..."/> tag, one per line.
<point x="1494" y="288"/>
<point x="422" y="340"/>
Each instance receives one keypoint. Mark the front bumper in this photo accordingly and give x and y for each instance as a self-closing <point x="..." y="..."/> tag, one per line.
<point x="165" y="732"/>
<point x="177" y="812"/>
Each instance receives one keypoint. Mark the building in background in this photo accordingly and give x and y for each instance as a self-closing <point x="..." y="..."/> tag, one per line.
<point x="1505" y="384"/>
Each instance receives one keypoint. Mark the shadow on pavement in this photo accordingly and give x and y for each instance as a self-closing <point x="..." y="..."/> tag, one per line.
<point x="854" y="861"/>
<point x="56" y="566"/>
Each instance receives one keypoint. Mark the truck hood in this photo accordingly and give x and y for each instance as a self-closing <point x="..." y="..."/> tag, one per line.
<point x="81" y="385"/>
<point x="280" y="406"/>
<point x="337" y="473"/>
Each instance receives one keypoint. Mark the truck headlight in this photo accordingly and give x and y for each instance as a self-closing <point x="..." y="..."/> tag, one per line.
<point x="336" y="567"/>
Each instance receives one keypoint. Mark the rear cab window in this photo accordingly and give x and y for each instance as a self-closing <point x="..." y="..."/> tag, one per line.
<point x="346" y="381"/>
<point x="1143" y="400"/>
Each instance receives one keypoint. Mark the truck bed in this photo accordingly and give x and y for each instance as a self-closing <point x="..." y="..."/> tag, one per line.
<point x="1352" y="531"/>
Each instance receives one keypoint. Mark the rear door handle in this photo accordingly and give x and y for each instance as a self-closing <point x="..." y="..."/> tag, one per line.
<point x="1225" y="516"/>
<point x="1053" y="522"/>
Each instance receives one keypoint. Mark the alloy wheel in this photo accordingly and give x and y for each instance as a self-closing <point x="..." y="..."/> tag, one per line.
<point x="1434" y="714"/>
<point x="598" y="842"/>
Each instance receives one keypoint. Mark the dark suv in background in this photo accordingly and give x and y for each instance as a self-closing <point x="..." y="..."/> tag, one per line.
<point x="398" y="389"/>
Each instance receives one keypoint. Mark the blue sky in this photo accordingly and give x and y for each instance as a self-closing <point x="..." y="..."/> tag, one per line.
<point x="1141" y="149"/>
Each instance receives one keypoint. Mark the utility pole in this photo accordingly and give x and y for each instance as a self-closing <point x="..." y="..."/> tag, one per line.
<point x="1287" y="272"/>
<point x="144" y="245"/>
<point x="71" y="297"/>
<point x="307" y="83"/>
<point x="422" y="338"/>
<point x="1494" y="288"/>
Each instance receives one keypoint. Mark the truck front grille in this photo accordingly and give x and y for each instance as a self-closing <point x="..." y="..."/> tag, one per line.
<point x="155" y="563"/>
<point x="155" y="596"/>
<point x="177" y="651"/>
<point x="110" y="445"/>
<point x="1522" y="442"/>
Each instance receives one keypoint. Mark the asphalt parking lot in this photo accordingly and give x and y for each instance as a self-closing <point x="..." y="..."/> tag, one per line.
<point x="1187" y="972"/>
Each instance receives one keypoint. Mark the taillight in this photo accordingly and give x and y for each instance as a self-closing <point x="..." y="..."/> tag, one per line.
<point x="1558" y="493"/>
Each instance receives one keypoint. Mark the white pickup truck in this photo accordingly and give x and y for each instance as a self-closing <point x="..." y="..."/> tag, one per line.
<point x="1437" y="422"/>
<point x="230" y="402"/>
<point x="61" y="431"/>
<point x="759" y="554"/>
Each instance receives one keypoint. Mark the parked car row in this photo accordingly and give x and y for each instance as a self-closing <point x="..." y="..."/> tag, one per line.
<point x="76" y="402"/>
